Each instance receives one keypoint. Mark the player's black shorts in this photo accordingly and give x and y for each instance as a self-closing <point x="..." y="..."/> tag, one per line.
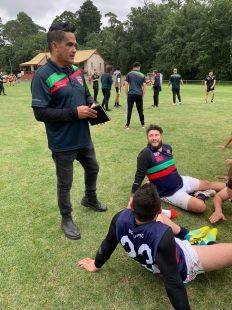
<point x="209" y="89"/>
<point x="117" y="89"/>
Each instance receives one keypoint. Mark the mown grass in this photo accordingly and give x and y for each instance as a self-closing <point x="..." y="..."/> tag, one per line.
<point x="38" y="264"/>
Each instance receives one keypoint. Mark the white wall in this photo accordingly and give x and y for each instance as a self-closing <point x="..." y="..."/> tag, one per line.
<point x="95" y="62"/>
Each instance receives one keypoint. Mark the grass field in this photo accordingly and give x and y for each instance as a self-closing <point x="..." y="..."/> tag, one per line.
<point x="38" y="264"/>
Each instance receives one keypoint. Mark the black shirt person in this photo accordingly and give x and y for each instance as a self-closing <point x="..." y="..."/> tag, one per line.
<point x="176" y="81"/>
<point x="210" y="82"/>
<point x="95" y="80"/>
<point x="61" y="99"/>
<point x="135" y="87"/>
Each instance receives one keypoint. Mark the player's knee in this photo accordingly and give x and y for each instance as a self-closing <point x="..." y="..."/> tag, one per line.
<point x="198" y="206"/>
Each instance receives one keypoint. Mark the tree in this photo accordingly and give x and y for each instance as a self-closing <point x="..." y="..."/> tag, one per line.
<point x="67" y="17"/>
<point x="89" y="21"/>
<point x="113" y="21"/>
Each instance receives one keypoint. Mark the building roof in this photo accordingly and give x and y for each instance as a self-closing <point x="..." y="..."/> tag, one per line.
<point x="80" y="56"/>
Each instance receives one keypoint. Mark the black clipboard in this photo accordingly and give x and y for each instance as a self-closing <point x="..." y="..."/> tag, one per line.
<point x="102" y="116"/>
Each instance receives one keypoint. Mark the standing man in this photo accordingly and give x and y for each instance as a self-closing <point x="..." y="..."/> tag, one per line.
<point x="117" y="85"/>
<point x="156" y="88"/>
<point x="156" y="161"/>
<point x="176" y="81"/>
<point x="2" y="81"/>
<point x="61" y="99"/>
<point x="106" y="81"/>
<point x="135" y="87"/>
<point x="210" y="82"/>
<point x="95" y="80"/>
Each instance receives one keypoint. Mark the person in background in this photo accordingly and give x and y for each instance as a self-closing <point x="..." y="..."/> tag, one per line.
<point x="135" y="88"/>
<point x="95" y="80"/>
<point x="156" y="88"/>
<point x="176" y="81"/>
<point x="106" y="81"/>
<point x="210" y="82"/>
<point x="117" y="84"/>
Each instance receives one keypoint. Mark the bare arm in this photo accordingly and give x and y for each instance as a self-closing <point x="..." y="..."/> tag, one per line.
<point x="218" y="200"/>
<point x="126" y="85"/>
<point x="144" y="88"/>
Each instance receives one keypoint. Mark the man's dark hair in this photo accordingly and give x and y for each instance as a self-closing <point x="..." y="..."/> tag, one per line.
<point x="136" y="64"/>
<point x="146" y="203"/>
<point x="154" y="127"/>
<point x="56" y="32"/>
<point x="117" y="68"/>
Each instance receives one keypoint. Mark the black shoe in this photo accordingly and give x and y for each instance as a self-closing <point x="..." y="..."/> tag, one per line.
<point x="70" y="230"/>
<point x="93" y="203"/>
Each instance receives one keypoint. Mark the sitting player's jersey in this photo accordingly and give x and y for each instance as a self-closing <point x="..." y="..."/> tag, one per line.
<point x="163" y="172"/>
<point x="141" y="241"/>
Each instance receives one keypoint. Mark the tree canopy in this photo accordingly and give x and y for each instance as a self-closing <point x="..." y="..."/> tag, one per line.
<point x="194" y="35"/>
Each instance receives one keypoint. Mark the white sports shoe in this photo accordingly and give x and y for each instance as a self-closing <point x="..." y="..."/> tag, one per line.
<point x="207" y="193"/>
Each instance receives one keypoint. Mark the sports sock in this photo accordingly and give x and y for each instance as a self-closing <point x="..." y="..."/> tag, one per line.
<point x="182" y="233"/>
<point x="201" y="196"/>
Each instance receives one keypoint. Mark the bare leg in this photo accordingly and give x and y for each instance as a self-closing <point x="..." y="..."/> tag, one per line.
<point x="228" y="141"/>
<point x="213" y="95"/>
<point x="196" y="205"/>
<point x="214" y="257"/>
<point x="206" y="96"/>
<point x="164" y="219"/>
<point x="217" y="186"/>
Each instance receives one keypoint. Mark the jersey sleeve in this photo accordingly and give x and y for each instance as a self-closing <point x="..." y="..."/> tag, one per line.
<point x="166" y="261"/>
<point x="108" y="245"/>
<point x="40" y="91"/>
<point x="143" y="163"/>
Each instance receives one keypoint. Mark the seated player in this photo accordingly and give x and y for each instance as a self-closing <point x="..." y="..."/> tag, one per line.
<point x="224" y="195"/>
<point x="157" y="163"/>
<point x="152" y="244"/>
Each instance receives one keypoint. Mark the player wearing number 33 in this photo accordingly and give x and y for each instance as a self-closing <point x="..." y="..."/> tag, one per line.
<point x="146" y="238"/>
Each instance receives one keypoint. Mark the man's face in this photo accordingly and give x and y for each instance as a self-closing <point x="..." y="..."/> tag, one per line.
<point x="154" y="138"/>
<point x="175" y="71"/>
<point x="211" y="73"/>
<point x="64" y="51"/>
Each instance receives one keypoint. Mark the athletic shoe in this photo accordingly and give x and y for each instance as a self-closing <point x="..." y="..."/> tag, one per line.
<point x="207" y="193"/>
<point x="195" y="235"/>
<point x="180" y="102"/>
<point x="210" y="237"/>
<point x="143" y="126"/>
<point x="127" y="127"/>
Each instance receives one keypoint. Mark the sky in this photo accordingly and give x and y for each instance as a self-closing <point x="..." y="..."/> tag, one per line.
<point x="43" y="12"/>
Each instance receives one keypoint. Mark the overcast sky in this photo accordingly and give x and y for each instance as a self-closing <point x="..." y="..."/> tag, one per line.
<point x="44" y="11"/>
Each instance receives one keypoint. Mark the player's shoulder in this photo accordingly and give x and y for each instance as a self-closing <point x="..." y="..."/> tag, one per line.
<point x="166" y="147"/>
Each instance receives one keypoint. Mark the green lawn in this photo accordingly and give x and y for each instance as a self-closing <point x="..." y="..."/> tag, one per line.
<point x="38" y="264"/>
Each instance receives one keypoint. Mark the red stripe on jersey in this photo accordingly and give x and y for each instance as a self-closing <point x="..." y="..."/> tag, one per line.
<point x="161" y="174"/>
<point x="64" y="82"/>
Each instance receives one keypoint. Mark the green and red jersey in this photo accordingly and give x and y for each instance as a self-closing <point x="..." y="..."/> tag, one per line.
<point x="62" y="88"/>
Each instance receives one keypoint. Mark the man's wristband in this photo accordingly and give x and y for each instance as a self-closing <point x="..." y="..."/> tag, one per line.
<point x="229" y="184"/>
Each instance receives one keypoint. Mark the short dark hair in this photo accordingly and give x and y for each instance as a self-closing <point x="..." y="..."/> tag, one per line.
<point x="154" y="127"/>
<point x="56" y="32"/>
<point x="136" y="64"/>
<point x="146" y="203"/>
